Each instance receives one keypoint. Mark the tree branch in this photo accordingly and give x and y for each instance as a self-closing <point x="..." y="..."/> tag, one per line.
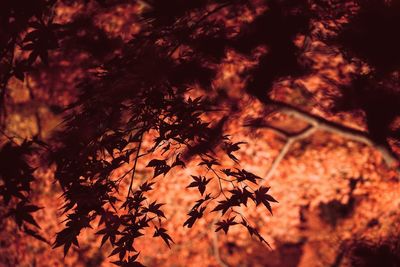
<point x="36" y="113"/>
<point x="322" y="124"/>
<point x="290" y="139"/>
<point x="134" y="165"/>
<point x="318" y="123"/>
<point x="216" y="247"/>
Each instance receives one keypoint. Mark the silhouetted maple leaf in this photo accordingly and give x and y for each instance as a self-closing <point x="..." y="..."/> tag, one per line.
<point x="224" y="205"/>
<point x="66" y="238"/>
<point x="261" y="196"/>
<point x="242" y="175"/>
<point x="240" y="195"/>
<point x="155" y="208"/>
<point x="162" y="232"/>
<point x="178" y="162"/>
<point x="160" y="167"/>
<point x="225" y="224"/>
<point x="200" y="182"/>
<point x="35" y="234"/>
<point x="130" y="262"/>
<point x="209" y="163"/>
<point x="147" y="186"/>
<point x="194" y="214"/>
<point x="252" y="231"/>
<point x="232" y="147"/>
<point x="201" y="201"/>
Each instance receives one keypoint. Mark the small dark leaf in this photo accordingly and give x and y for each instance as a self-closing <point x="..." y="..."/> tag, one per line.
<point x="194" y="214"/>
<point x="261" y="196"/>
<point x="162" y="232"/>
<point x="225" y="224"/>
<point x="200" y="182"/>
<point x="223" y="205"/>
<point x="155" y="208"/>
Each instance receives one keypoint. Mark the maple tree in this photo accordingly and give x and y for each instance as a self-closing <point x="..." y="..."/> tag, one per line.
<point x="151" y="97"/>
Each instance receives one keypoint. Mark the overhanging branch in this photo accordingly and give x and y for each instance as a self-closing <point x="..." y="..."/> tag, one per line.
<point x="317" y="123"/>
<point x="322" y="124"/>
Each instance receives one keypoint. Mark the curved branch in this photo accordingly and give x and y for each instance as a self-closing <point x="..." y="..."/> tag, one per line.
<point x="360" y="136"/>
<point x="216" y="247"/>
<point x="318" y="123"/>
<point x="290" y="139"/>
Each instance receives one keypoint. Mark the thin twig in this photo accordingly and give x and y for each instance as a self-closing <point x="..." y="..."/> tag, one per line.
<point x="37" y="114"/>
<point x="8" y="137"/>
<point x="219" y="182"/>
<point x="134" y="165"/>
<point x="3" y="85"/>
<point x="193" y="27"/>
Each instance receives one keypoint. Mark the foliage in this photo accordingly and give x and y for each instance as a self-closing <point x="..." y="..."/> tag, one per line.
<point x="139" y="91"/>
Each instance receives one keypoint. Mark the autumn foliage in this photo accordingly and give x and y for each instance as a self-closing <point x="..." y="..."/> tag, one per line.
<point x="199" y="133"/>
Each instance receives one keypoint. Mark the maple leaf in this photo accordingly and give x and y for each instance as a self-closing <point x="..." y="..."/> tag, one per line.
<point x="209" y="163"/>
<point x="22" y="213"/>
<point x="224" y="205"/>
<point x="155" y="208"/>
<point x="144" y="222"/>
<point x="35" y="234"/>
<point x="194" y="214"/>
<point x="162" y="232"/>
<point x="261" y="196"/>
<point x="249" y="176"/>
<point x="240" y="196"/>
<point x="130" y="262"/>
<point x="232" y="147"/>
<point x="252" y="231"/>
<point x="135" y="202"/>
<point x="146" y="186"/>
<point x="225" y="224"/>
<point x="110" y="232"/>
<point x="160" y="167"/>
<point x="178" y="162"/>
<point x="201" y="201"/>
<point x="200" y="182"/>
<point x="67" y="237"/>
<point x="241" y="175"/>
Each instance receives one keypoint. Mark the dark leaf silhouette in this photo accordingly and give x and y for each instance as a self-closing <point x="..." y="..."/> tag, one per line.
<point x="194" y="215"/>
<point x="155" y="208"/>
<point x="261" y="196"/>
<point x="66" y="238"/>
<point x="225" y="224"/>
<point x="130" y="262"/>
<point x="232" y="147"/>
<point x="162" y="232"/>
<point x="200" y="182"/>
<point x="160" y="167"/>
<point x="224" y="205"/>
<point x="242" y="175"/>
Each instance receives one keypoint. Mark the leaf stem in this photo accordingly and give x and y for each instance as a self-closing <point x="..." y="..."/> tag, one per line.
<point x="134" y="165"/>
